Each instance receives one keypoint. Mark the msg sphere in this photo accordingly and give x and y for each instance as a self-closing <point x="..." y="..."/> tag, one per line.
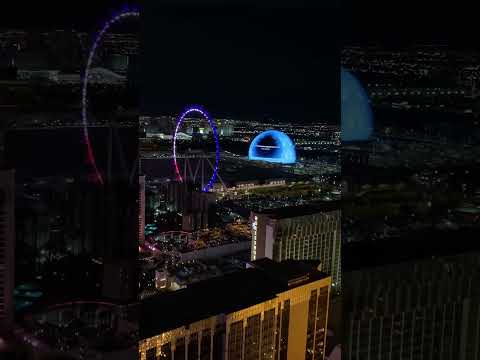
<point x="357" y="117"/>
<point x="273" y="146"/>
<point x="203" y="112"/>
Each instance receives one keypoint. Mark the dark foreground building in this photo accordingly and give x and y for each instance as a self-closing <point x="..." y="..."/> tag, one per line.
<point x="418" y="298"/>
<point x="7" y="238"/>
<point x="269" y="311"/>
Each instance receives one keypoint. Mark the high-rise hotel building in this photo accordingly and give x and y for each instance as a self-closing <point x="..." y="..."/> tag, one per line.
<point x="7" y="242"/>
<point x="274" y="311"/>
<point x="311" y="232"/>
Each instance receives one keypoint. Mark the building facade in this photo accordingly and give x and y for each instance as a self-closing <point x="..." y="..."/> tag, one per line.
<point x="300" y="233"/>
<point x="141" y="210"/>
<point x="428" y="310"/>
<point x="7" y="242"/>
<point x="194" y="205"/>
<point x="289" y="322"/>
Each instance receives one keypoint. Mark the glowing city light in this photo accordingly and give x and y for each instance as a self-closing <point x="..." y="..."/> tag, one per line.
<point x="197" y="109"/>
<point x="282" y="152"/>
<point x="126" y="12"/>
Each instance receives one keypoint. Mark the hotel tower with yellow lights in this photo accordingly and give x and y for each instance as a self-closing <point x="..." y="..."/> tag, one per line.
<point x="275" y="311"/>
<point x="310" y="232"/>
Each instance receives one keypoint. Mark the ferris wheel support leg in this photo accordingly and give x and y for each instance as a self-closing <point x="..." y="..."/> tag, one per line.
<point x="218" y="175"/>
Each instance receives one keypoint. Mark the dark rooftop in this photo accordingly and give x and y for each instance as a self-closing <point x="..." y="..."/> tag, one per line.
<point x="289" y="271"/>
<point x="414" y="246"/>
<point x="297" y="211"/>
<point x="223" y="295"/>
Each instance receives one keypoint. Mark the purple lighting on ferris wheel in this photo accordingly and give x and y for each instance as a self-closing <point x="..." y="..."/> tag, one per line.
<point x="197" y="109"/>
<point x="127" y="12"/>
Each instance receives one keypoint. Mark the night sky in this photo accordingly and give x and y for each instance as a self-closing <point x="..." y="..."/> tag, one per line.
<point x="46" y="15"/>
<point x="277" y="60"/>
<point x="405" y="22"/>
<point x="242" y="61"/>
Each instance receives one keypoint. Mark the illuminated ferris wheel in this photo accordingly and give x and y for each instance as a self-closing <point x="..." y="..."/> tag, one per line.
<point x="125" y="13"/>
<point x="190" y="173"/>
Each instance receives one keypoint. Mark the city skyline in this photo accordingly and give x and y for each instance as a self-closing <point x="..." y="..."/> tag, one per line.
<point x="283" y="181"/>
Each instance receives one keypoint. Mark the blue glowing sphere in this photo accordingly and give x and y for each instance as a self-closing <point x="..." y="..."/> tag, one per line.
<point x="357" y="117"/>
<point x="273" y="146"/>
